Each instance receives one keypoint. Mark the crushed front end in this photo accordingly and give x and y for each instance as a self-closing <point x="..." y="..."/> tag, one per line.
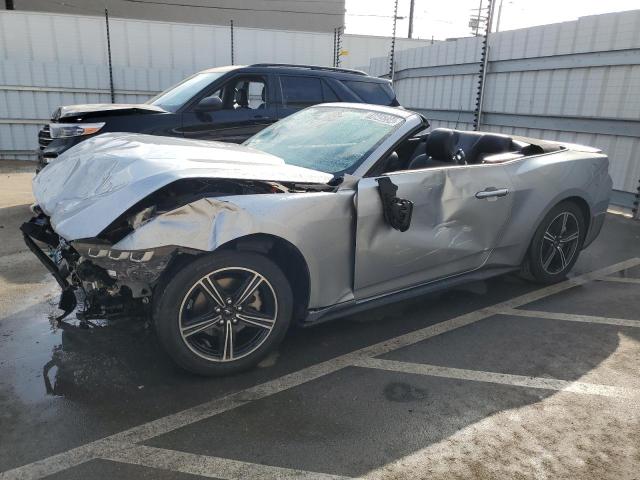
<point x="102" y="281"/>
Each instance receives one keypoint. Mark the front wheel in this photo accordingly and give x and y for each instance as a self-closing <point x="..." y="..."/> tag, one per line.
<point x="224" y="312"/>
<point x="556" y="244"/>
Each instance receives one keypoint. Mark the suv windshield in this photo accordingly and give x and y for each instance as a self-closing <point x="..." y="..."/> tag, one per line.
<point x="173" y="98"/>
<point x="330" y="139"/>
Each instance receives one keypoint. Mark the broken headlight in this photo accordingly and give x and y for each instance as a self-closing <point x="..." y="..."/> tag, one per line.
<point x="103" y="251"/>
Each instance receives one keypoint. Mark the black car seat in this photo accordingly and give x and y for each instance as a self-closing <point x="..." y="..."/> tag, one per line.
<point x="392" y="163"/>
<point x="439" y="150"/>
<point x="242" y="98"/>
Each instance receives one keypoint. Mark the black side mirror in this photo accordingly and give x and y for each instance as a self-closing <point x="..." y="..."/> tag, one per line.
<point x="209" y="104"/>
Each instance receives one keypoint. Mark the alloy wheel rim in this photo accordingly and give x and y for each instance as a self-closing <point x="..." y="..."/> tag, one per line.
<point x="560" y="243"/>
<point x="228" y="314"/>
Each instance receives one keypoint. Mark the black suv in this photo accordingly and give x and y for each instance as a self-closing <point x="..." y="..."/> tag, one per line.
<point x="228" y="104"/>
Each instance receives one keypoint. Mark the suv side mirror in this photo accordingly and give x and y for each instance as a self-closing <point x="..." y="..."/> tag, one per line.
<point x="209" y="104"/>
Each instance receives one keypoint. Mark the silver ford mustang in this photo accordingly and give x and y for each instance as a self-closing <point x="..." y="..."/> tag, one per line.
<point x="335" y="209"/>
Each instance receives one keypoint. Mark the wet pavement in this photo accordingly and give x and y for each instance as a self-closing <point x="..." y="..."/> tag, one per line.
<point x="477" y="392"/>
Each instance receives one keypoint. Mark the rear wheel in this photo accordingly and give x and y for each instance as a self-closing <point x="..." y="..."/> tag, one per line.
<point x="556" y="244"/>
<point x="223" y="313"/>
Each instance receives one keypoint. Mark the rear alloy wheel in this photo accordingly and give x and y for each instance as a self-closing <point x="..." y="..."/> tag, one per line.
<point x="223" y="313"/>
<point x="556" y="244"/>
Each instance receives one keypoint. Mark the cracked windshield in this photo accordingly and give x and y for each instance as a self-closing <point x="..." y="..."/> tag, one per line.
<point x="330" y="139"/>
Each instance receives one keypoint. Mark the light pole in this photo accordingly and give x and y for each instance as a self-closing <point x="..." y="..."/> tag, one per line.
<point x="484" y="61"/>
<point x="499" y="16"/>
<point x="411" y="6"/>
<point x="479" y="18"/>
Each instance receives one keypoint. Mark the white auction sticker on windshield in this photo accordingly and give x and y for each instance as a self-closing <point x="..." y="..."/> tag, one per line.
<point x="385" y="118"/>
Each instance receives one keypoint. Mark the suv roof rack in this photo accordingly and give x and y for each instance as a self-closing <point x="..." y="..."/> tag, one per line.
<point x="310" y="67"/>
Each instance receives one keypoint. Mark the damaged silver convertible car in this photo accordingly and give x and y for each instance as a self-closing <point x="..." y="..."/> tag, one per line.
<point x="337" y="208"/>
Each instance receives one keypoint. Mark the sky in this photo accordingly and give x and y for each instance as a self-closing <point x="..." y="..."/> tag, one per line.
<point x="450" y="18"/>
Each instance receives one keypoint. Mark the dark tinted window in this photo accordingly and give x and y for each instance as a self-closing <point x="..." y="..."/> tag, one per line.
<point x="300" y="92"/>
<point x="328" y="94"/>
<point x="369" y="92"/>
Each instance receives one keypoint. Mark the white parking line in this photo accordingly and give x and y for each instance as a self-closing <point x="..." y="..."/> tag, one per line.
<point x="570" y="317"/>
<point x="212" y="467"/>
<point x="500" y="378"/>
<point x="125" y="439"/>
<point x="633" y="281"/>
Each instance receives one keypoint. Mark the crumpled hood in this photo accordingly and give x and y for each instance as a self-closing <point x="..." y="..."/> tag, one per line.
<point x="90" y="185"/>
<point x="103" y="110"/>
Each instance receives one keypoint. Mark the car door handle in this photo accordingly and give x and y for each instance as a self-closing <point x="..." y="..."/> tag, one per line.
<point x="492" y="192"/>
<point x="262" y="117"/>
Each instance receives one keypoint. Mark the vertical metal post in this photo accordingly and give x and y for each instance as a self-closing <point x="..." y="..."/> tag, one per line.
<point x="411" y="6"/>
<point x="113" y="93"/>
<point x="636" y="205"/>
<point x="338" y="45"/>
<point x="335" y="43"/>
<point x="392" y="67"/>
<point x="484" y="60"/>
<point x="232" y="46"/>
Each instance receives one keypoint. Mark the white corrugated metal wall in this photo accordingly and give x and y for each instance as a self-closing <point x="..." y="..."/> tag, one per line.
<point x="575" y="81"/>
<point x="47" y="60"/>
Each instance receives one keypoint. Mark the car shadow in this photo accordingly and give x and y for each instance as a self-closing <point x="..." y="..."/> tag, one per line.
<point x="119" y="356"/>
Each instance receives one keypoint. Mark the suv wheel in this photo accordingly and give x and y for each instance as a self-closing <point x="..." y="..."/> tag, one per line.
<point x="223" y="313"/>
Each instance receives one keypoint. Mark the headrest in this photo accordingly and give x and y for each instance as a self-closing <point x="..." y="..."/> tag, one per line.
<point x="493" y="143"/>
<point x="441" y="144"/>
<point x="242" y="98"/>
<point x="393" y="162"/>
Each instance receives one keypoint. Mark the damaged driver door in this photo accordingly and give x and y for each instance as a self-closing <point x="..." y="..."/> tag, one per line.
<point x="457" y="215"/>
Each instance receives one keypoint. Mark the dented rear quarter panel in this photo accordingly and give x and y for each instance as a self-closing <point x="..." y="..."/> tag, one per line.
<point x="540" y="183"/>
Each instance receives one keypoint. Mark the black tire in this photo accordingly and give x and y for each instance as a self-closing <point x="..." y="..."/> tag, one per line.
<point x="544" y="263"/>
<point x="189" y="293"/>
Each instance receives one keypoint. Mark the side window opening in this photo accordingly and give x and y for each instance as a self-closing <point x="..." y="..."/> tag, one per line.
<point x="443" y="147"/>
<point x="249" y="93"/>
<point x="401" y="156"/>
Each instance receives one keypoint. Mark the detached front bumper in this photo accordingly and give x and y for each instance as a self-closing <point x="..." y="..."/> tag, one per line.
<point x="110" y="282"/>
<point x="38" y="228"/>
